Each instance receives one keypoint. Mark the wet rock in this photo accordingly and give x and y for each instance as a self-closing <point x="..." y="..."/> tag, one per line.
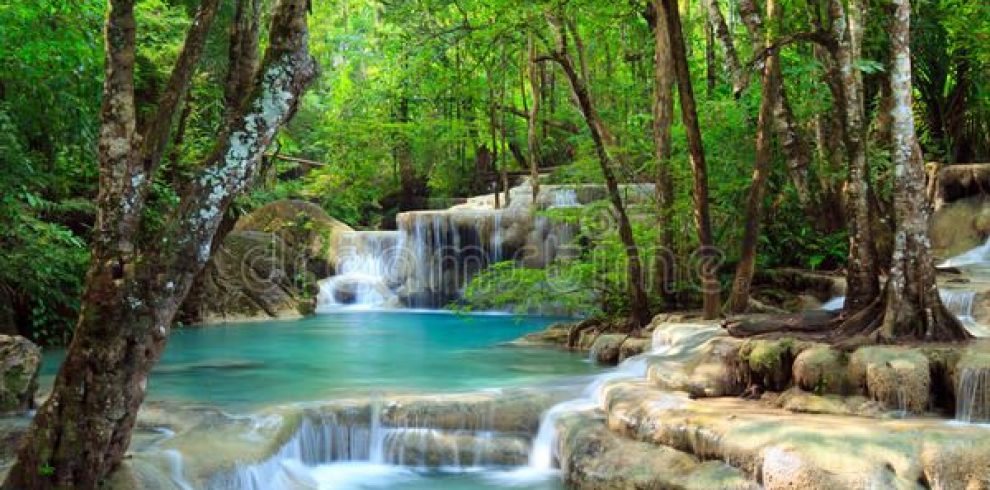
<point x="959" y="464"/>
<point x="960" y="226"/>
<point x="797" y="450"/>
<point x="821" y="369"/>
<point x="554" y="335"/>
<point x="798" y="401"/>
<point x="20" y="361"/>
<point x="972" y="384"/>
<point x="632" y="347"/>
<point x="696" y="359"/>
<point x="593" y="457"/>
<point x="606" y="348"/>
<point x="898" y="377"/>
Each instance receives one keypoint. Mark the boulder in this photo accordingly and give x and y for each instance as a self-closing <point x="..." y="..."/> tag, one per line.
<point x="19" y="364"/>
<point x="898" y="377"/>
<point x="821" y="369"/>
<point x="960" y="226"/>
<point x="633" y="346"/>
<point x="696" y="359"/>
<point x="605" y="349"/>
<point x="267" y="267"/>
<point x="304" y="227"/>
<point x="768" y="363"/>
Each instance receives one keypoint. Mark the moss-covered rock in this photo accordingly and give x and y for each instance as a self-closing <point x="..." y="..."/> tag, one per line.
<point x="821" y="369"/>
<point x="20" y="361"/>
<point x="799" y="401"/>
<point x="768" y="363"/>
<point x="898" y="377"/>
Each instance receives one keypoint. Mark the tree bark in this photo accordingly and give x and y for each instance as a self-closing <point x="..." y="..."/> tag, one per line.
<point x="242" y="54"/>
<point x="534" y="114"/>
<point x="792" y="141"/>
<point x="862" y="273"/>
<point x="638" y="302"/>
<point x="82" y="431"/>
<point x="914" y="309"/>
<point x="663" y="117"/>
<point x="709" y="282"/>
<point x="736" y="73"/>
<point x="739" y="298"/>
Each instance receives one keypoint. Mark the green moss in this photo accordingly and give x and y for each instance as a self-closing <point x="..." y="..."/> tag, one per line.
<point x="766" y="355"/>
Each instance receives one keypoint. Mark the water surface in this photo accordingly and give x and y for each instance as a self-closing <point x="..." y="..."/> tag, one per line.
<point x="348" y="354"/>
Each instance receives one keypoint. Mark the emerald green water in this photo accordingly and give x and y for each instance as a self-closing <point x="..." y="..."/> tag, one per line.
<point x="347" y="354"/>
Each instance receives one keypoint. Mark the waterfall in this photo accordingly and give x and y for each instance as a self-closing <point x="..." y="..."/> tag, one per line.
<point x="361" y="440"/>
<point x="369" y="265"/>
<point x="973" y="395"/>
<point x="564" y="197"/>
<point x="959" y="303"/>
<point x="543" y="455"/>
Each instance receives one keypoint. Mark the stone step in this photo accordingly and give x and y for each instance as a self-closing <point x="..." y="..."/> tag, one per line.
<point x="593" y="457"/>
<point x="781" y="449"/>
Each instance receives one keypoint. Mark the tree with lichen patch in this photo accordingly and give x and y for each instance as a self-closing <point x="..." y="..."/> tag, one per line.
<point x="136" y="282"/>
<point x="910" y="307"/>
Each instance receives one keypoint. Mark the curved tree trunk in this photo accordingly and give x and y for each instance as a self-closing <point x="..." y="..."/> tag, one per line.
<point x="739" y="298"/>
<point x="82" y="431"/>
<point x="710" y="287"/>
<point x="638" y="303"/>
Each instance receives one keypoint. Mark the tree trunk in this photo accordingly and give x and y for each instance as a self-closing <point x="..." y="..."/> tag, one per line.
<point x="913" y="307"/>
<point x="862" y="274"/>
<point x="663" y="116"/>
<point x="82" y="431"/>
<point x="638" y="302"/>
<point x="739" y="298"/>
<point x="709" y="281"/>
<point x="792" y="141"/>
<point x="721" y="31"/>
<point x="710" y="77"/>
<point x="242" y="54"/>
<point x="534" y="114"/>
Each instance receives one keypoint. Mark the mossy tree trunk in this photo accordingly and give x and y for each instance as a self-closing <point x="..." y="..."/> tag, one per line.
<point x="136" y="282"/>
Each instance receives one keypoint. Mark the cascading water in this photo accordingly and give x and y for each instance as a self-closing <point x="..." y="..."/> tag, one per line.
<point x="973" y="395"/>
<point x="369" y="265"/>
<point x="542" y="456"/>
<point x="327" y="444"/>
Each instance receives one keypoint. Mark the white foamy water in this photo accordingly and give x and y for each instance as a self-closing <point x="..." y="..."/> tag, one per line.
<point x="974" y="257"/>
